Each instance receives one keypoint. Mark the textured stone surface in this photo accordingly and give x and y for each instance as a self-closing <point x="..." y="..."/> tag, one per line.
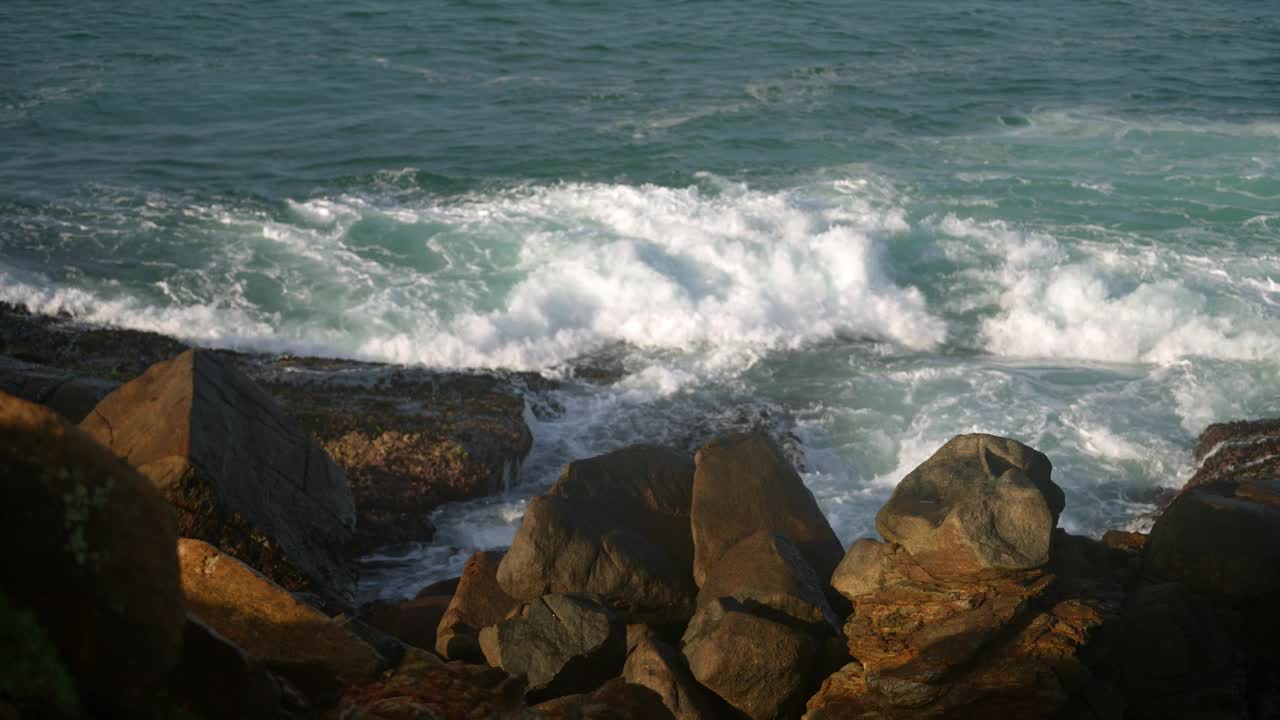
<point x="615" y="526"/>
<point x="68" y="394"/>
<point x="90" y="551"/>
<point x="219" y="680"/>
<point x="423" y="687"/>
<point x="660" y="667"/>
<point x="239" y="472"/>
<point x="980" y="503"/>
<point x="271" y="625"/>
<point x="560" y="644"/>
<point x="413" y="622"/>
<point x="765" y="570"/>
<point x="1238" y="451"/>
<point x="742" y="485"/>
<point x="478" y="602"/>
<point x="617" y="699"/>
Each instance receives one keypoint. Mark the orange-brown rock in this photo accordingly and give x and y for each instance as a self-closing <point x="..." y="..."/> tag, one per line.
<point x="408" y="440"/>
<point x="289" y="637"/>
<point x="90" y="551"/>
<point x="656" y="665"/>
<point x="478" y="602"/>
<point x="615" y="700"/>
<point x="239" y="472"/>
<point x="1123" y="540"/>
<point x="413" y="622"/>
<point x="765" y="570"/>
<point x="216" y="679"/>
<point x="423" y="686"/>
<point x="1238" y="451"/>
<point x="742" y="485"/>
<point x="615" y="526"/>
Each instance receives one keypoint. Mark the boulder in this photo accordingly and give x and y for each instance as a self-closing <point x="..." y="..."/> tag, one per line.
<point x="66" y="393"/>
<point x="981" y="503"/>
<point x="615" y="526"/>
<point x="241" y="475"/>
<point x="1221" y="539"/>
<point x="288" y="637"/>
<point x="413" y="622"/>
<point x="762" y="668"/>
<point x="766" y="573"/>
<point x="656" y="665"/>
<point x="424" y="687"/>
<point x="219" y="680"/>
<point x="478" y="602"/>
<point x="91" y="556"/>
<point x="560" y="644"/>
<point x="743" y="485"/>
<point x="617" y="699"/>
<point x="409" y="440"/>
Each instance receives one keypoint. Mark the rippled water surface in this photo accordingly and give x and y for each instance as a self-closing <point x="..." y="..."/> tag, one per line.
<point x="874" y="224"/>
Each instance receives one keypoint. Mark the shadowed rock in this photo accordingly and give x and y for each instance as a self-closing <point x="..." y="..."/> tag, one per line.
<point x="760" y="667"/>
<point x="90" y="551"/>
<point x="289" y="637"/>
<point x="560" y="644"/>
<point x="743" y="485"/>
<point x="478" y="602"/>
<point x="765" y="570"/>
<point x="240" y="474"/>
<point x="660" y="667"/>
<point x="980" y="503"/>
<point x="66" y="393"/>
<point x="615" y="526"/>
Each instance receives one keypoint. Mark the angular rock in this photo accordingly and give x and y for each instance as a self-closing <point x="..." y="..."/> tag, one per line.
<point x="617" y="699"/>
<point x="560" y="644"/>
<point x="478" y="602"/>
<point x="240" y="474"/>
<point x="1238" y="451"/>
<point x="766" y="571"/>
<point x="217" y="679"/>
<point x="90" y="551"/>
<point x="656" y="665"/>
<point x="424" y="687"/>
<point x="981" y="503"/>
<point x="1134" y="542"/>
<point x="1221" y="539"/>
<point x="615" y="526"/>
<point x="408" y="440"/>
<point x="290" y="638"/>
<point x="742" y="485"/>
<point x="413" y="622"/>
<point x="762" y="668"/>
<point x="68" y="394"/>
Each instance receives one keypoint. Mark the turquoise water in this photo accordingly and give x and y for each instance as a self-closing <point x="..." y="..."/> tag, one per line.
<point x="877" y="224"/>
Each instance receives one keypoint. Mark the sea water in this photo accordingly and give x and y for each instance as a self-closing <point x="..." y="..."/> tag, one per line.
<point x="869" y="226"/>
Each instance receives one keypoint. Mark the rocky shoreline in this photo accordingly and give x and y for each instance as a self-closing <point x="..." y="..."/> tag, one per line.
<point x="182" y="525"/>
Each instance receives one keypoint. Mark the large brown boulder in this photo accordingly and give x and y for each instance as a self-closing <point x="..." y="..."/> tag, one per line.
<point x="615" y="526"/>
<point x="90" y="552"/>
<point x="762" y="668"/>
<point x="743" y="485"/>
<point x="413" y="622"/>
<point x="560" y="644"/>
<point x="409" y="440"/>
<point x="241" y="475"/>
<point x="1222" y="539"/>
<point x="980" y="503"/>
<point x="478" y="602"/>
<point x="300" y="643"/>
<point x="766" y="571"/>
<point x="656" y="665"/>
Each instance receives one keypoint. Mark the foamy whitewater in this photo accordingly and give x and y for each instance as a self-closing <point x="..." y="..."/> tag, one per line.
<point x="868" y="229"/>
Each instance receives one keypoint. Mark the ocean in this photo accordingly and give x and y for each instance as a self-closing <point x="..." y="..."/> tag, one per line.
<point x="868" y="226"/>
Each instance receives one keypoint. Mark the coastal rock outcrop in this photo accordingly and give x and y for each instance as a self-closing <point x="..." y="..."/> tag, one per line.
<point x="478" y="602"/>
<point x="239" y="472"/>
<point x="979" y="503"/>
<point x="1238" y="451"/>
<point x="560" y="644"/>
<point x="408" y="440"/>
<point x="424" y="686"/>
<point x="314" y="652"/>
<point x="743" y="484"/>
<point x="90" y="553"/>
<point x="615" y="526"/>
